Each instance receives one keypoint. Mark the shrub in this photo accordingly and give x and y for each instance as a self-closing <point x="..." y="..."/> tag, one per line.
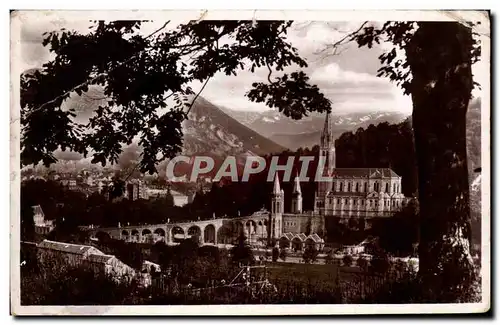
<point x="347" y="260"/>
<point x="276" y="254"/>
<point x="380" y="263"/>
<point x="329" y="258"/>
<point x="283" y="254"/>
<point x="362" y="263"/>
<point x="310" y="254"/>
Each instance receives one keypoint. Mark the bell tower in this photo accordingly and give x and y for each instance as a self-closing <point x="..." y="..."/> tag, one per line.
<point x="277" y="209"/>
<point x="327" y="158"/>
<point x="297" y="196"/>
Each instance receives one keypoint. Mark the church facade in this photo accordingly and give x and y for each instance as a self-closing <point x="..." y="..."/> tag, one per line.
<point x="348" y="194"/>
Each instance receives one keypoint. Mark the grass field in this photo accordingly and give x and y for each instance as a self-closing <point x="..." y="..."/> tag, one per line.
<point x="314" y="274"/>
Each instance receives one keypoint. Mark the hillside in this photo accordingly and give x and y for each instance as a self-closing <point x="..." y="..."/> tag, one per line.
<point x="208" y="131"/>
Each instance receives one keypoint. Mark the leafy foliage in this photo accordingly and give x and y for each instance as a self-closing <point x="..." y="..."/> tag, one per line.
<point x="275" y="254"/>
<point x="362" y="263"/>
<point x="347" y="260"/>
<point x="310" y="254"/>
<point x="283" y="254"/>
<point x="242" y="252"/>
<point x="394" y="67"/>
<point x="139" y="74"/>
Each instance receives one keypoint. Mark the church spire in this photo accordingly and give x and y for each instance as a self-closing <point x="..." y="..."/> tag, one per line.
<point x="327" y="134"/>
<point x="296" y="187"/>
<point x="276" y="188"/>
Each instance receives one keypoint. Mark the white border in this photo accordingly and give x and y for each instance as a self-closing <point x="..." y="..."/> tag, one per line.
<point x="344" y="15"/>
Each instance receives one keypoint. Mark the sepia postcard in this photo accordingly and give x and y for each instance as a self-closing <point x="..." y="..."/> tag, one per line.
<point x="250" y="162"/>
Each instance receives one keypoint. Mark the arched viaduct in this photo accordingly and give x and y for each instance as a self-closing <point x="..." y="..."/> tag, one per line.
<point x="214" y="231"/>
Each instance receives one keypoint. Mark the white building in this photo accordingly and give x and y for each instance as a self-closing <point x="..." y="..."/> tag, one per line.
<point x="350" y="194"/>
<point x="53" y="252"/>
<point x="42" y="226"/>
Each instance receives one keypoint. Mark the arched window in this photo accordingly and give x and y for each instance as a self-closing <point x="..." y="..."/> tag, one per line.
<point x="341" y="187"/>
<point x="387" y="187"/>
<point x="333" y="186"/>
<point x="357" y="187"/>
<point x="394" y="187"/>
<point x="366" y="187"/>
<point x="348" y="187"/>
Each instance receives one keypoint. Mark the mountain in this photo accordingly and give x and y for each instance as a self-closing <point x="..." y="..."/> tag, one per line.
<point x="473" y="137"/>
<point x="306" y="132"/>
<point x="210" y="130"/>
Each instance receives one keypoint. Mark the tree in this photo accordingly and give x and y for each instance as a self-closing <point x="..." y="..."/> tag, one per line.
<point x="310" y="254"/>
<point x="169" y="199"/>
<point x="276" y="254"/>
<point x="27" y="222"/>
<point x="283" y="254"/>
<point x="242" y="253"/>
<point x="362" y="263"/>
<point x="329" y="258"/>
<point x="347" y="260"/>
<point x="437" y="74"/>
<point x="380" y="263"/>
<point x="137" y="74"/>
<point x="117" y="188"/>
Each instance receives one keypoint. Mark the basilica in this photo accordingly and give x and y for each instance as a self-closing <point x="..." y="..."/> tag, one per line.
<point x="351" y="195"/>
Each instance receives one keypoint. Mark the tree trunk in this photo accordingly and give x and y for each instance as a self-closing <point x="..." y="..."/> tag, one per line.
<point x="439" y="56"/>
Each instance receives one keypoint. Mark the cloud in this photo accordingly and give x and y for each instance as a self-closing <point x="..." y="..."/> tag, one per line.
<point x="355" y="91"/>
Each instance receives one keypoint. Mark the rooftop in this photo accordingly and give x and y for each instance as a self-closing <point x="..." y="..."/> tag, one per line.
<point x="65" y="247"/>
<point x="364" y="172"/>
<point x="97" y="258"/>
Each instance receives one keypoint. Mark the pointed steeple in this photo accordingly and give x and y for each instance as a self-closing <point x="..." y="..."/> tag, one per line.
<point x="276" y="188"/>
<point x="327" y="134"/>
<point x="296" y="187"/>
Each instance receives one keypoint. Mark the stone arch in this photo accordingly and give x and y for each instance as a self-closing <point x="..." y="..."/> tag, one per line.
<point x="160" y="234"/>
<point x="209" y="234"/>
<point x="124" y="234"/>
<point x="224" y="235"/>
<point x="135" y="235"/>
<point x="147" y="235"/>
<point x="194" y="232"/>
<point x="250" y="227"/>
<point x="177" y="234"/>
<point x="239" y="228"/>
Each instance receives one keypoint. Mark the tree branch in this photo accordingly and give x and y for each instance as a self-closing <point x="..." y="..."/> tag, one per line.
<point x="342" y="41"/>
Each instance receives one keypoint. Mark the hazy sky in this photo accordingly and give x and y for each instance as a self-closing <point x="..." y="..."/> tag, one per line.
<point x="347" y="79"/>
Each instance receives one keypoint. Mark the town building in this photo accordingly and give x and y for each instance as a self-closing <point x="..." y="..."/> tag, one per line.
<point x="352" y="195"/>
<point x="42" y="226"/>
<point x="349" y="194"/>
<point x="74" y="255"/>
